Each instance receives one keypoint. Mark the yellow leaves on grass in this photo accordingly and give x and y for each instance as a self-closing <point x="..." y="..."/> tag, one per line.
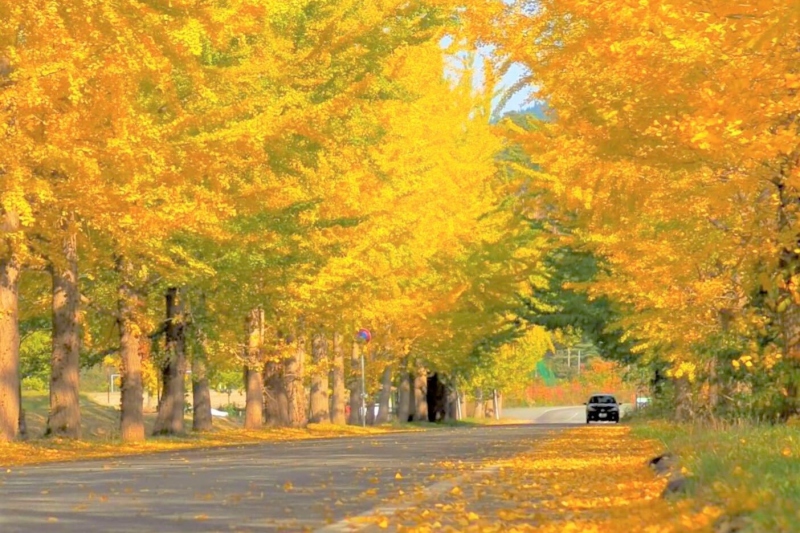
<point x="585" y="480"/>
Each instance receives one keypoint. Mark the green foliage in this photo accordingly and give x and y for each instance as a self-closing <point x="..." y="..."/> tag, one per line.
<point x="562" y="304"/>
<point x="35" y="346"/>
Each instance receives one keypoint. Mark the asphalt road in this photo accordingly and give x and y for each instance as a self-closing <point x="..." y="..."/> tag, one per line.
<point x="288" y="486"/>
<point x="554" y="415"/>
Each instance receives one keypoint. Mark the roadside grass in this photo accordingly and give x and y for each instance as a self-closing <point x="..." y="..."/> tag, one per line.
<point x="751" y="471"/>
<point x="100" y="428"/>
<point x="97" y="421"/>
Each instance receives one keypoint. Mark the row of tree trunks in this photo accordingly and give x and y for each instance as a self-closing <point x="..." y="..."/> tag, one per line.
<point x="64" y="419"/>
<point x="9" y="348"/>
<point x="283" y="396"/>
<point x="171" y="406"/>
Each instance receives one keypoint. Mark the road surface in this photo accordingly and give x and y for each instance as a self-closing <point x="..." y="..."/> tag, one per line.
<point x="575" y="414"/>
<point x="288" y="486"/>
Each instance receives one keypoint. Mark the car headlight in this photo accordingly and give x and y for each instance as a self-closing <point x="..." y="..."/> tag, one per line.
<point x="615" y="408"/>
<point x="591" y="408"/>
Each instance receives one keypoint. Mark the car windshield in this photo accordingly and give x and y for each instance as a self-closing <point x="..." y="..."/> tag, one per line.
<point x="602" y="399"/>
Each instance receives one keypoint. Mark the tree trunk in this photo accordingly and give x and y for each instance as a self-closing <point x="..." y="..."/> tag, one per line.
<point x="683" y="400"/>
<point x="386" y="395"/>
<point x="254" y="397"/>
<point x="488" y="407"/>
<point x="479" y="405"/>
<point x="404" y="396"/>
<point x="277" y="401"/>
<point x="355" y="387"/>
<point x="201" y="393"/>
<point x="319" y="381"/>
<point x="420" y="395"/>
<point x="294" y="374"/>
<point x="9" y="349"/>
<point x="22" y="432"/>
<point x="169" y="420"/>
<point x="337" y="411"/>
<point x="499" y="404"/>
<point x="253" y="379"/>
<point x="131" y="391"/>
<point x="452" y="404"/>
<point x="65" y="415"/>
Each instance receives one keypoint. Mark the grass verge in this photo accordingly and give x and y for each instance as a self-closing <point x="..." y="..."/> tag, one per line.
<point x="752" y="472"/>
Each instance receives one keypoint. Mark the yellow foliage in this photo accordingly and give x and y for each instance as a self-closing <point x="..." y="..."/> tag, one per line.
<point x="671" y="150"/>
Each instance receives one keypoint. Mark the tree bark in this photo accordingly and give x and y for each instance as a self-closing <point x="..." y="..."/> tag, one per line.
<point x="319" y="381"/>
<point x="131" y="402"/>
<point x="355" y="387"/>
<point x="404" y="396"/>
<point x="201" y="395"/>
<point x="452" y="404"/>
<point x="386" y="395"/>
<point x="338" y="403"/>
<point x="64" y="419"/>
<point x="253" y="379"/>
<point x="201" y="392"/>
<point x="277" y="401"/>
<point x="683" y="400"/>
<point x="22" y="433"/>
<point x="169" y="420"/>
<point x="499" y="403"/>
<point x="9" y="349"/>
<point x="294" y="374"/>
<point x="421" y="395"/>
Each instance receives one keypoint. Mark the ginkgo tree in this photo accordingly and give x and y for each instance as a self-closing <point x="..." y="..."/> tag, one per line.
<point x="241" y="184"/>
<point x="672" y="152"/>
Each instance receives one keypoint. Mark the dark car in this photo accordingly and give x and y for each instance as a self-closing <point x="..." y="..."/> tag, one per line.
<point x="602" y="407"/>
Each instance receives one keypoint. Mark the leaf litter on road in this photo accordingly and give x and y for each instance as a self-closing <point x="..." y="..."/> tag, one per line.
<point x="587" y="480"/>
